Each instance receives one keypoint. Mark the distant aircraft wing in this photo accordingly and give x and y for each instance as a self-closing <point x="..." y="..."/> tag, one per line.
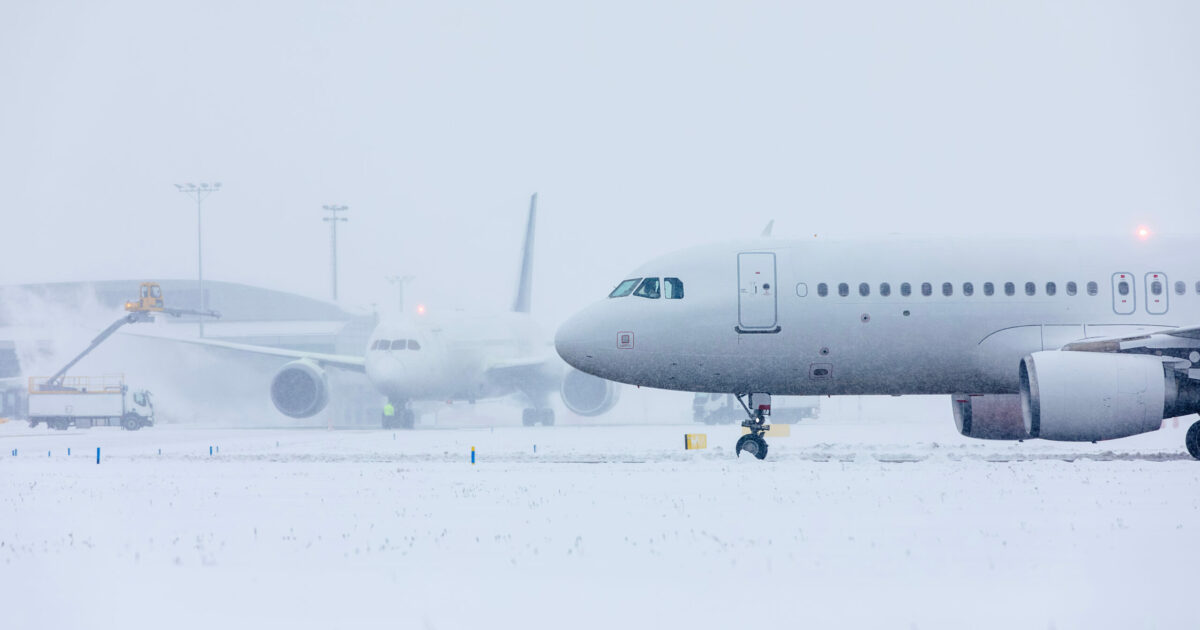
<point x="524" y="371"/>
<point x="340" y="361"/>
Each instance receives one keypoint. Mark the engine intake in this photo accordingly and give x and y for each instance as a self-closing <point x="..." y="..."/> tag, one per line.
<point x="989" y="417"/>
<point x="588" y="395"/>
<point x="1086" y="396"/>
<point x="300" y="389"/>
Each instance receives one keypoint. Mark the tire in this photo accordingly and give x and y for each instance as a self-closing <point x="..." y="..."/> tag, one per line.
<point x="547" y="417"/>
<point x="387" y="422"/>
<point x="528" y="418"/>
<point x="1193" y="440"/>
<point x="131" y="423"/>
<point x="753" y="445"/>
<point x="408" y="419"/>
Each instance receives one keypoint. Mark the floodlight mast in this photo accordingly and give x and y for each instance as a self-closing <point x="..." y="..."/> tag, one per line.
<point x="199" y="193"/>
<point x="399" y="282"/>
<point x="333" y="220"/>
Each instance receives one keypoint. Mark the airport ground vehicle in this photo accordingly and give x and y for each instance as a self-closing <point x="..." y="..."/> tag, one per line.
<point x="725" y="409"/>
<point x="62" y="401"/>
<point x="85" y="402"/>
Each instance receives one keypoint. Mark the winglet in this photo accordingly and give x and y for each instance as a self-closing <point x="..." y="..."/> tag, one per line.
<point x="767" y="230"/>
<point x="525" y="280"/>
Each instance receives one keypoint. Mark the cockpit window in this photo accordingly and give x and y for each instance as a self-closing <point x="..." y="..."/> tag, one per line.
<point x="413" y="345"/>
<point x="648" y="289"/>
<point x="625" y="288"/>
<point x="674" y="288"/>
<point x="399" y="344"/>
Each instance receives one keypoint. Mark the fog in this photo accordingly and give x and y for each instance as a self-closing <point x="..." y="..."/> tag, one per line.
<point x="643" y="127"/>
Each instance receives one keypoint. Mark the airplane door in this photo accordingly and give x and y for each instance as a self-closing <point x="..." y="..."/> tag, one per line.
<point x="1123" y="292"/>
<point x="757" y="292"/>
<point x="1156" y="293"/>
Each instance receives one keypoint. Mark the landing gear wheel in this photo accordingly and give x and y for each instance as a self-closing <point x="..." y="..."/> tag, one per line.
<point x="528" y="417"/>
<point x="753" y="444"/>
<point x="547" y="416"/>
<point x="131" y="423"/>
<point x="1193" y="440"/>
<point x="408" y="419"/>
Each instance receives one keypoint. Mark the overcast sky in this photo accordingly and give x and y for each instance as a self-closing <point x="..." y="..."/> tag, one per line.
<point x="645" y="127"/>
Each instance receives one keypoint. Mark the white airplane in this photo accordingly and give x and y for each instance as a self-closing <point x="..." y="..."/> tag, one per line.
<point x="1073" y="340"/>
<point x="460" y="356"/>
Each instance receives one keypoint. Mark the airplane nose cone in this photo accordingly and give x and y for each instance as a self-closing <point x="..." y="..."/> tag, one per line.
<point x="577" y="341"/>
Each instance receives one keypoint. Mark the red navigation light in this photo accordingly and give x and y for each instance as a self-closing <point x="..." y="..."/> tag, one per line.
<point x="420" y="309"/>
<point x="1143" y="232"/>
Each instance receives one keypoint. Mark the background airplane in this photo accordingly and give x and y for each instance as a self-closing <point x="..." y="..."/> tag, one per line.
<point x="455" y="356"/>
<point x="1073" y="340"/>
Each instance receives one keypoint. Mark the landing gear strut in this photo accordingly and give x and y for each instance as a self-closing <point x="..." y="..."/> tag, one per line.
<point x="753" y="442"/>
<point x="1193" y="440"/>
<point x="403" y="417"/>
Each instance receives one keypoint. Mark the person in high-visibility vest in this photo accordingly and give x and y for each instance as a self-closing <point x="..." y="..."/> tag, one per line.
<point x="389" y="413"/>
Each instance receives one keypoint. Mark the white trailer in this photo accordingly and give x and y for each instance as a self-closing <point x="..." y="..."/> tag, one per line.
<point x="88" y="402"/>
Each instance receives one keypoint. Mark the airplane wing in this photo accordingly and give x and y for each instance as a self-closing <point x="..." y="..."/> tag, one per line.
<point x="340" y="361"/>
<point x="524" y="371"/>
<point x="1177" y="346"/>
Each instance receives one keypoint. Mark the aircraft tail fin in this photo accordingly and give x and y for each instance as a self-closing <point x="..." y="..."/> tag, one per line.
<point x="525" y="280"/>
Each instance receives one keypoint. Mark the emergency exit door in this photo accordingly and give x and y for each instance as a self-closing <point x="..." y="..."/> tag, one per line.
<point x="757" y="293"/>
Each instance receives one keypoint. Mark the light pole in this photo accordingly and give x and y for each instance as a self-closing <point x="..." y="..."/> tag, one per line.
<point x="199" y="193"/>
<point x="399" y="282"/>
<point x="333" y="220"/>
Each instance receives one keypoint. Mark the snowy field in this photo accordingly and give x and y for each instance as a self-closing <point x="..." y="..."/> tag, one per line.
<point x="901" y="525"/>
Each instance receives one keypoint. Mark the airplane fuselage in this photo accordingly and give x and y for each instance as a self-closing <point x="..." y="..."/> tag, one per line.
<point x="886" y="316"/>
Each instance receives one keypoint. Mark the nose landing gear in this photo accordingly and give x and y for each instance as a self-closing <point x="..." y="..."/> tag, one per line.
<point x="753" y="442"/>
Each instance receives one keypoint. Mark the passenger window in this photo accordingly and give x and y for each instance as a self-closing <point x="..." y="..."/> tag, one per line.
<point x="1094" y="288"/>
<point x="926" y="289"/>
<point x="1071" y="288"/>
<point x="399" y="344"/>
<point x="1010" y="288"/>
<point x="947" y="289"/>
<point x="1123" y="287"/>
<point x="674" y="287"/>
<point x="843" y="289"/>
<point x="1180" y="287"/>
<point x="906" y="288"/>
<point x="413" y="345"/>
<point x="648" y="289"/>
<point x="1030" y="288"/>
<point x="1051" y="288"/>
<point x="864" y="289"/>
<point x="625" y="288"/>
<point x="822" y="289"/>
<point x="989" y="289"/>
<point x="968" y="289"/>
<point x="885" y="289"/>
<point x="1156" y="287"/>
<point x="801" y="289"/>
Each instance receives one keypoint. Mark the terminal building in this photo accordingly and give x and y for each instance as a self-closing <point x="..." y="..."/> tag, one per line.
<point x="185" y="377"/>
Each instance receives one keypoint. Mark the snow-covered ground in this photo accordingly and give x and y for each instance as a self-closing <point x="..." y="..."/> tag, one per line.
<point x="847" y="524"/>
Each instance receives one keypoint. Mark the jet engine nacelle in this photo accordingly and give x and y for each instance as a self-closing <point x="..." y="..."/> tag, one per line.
<point x="300" y="389"/>
<point x="990" y="416"/>
<point x="588" y="395"/>
<point x="1086" y="396"/>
